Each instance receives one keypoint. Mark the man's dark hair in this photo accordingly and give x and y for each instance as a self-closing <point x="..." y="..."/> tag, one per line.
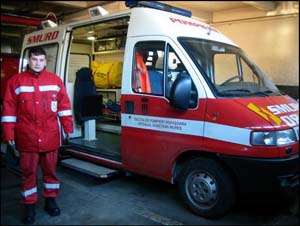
<point x="36" y="51"/>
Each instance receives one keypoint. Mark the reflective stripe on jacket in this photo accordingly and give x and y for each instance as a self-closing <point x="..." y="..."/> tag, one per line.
<point x="32" y="106"/>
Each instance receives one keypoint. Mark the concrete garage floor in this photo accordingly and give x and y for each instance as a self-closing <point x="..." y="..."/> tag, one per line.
<point x="130" y="200"/>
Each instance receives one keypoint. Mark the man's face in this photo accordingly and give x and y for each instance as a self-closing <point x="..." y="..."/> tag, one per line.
<point x="37" y="62"/>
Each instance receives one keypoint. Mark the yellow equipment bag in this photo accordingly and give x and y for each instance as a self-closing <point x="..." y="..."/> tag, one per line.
<point x="107" y="75"/>
<point x="101" y="74"/>
<point x="115" y="74"/>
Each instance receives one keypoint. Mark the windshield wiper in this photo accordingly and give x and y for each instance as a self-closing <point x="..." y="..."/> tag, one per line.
<point x="263" y="93"/>
<point x="236" y="90"/>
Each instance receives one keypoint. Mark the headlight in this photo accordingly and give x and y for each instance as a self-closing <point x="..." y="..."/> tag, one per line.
<point x="277" y="138"/>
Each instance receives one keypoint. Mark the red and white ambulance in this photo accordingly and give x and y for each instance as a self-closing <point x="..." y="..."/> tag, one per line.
<point x="191" y="109"/>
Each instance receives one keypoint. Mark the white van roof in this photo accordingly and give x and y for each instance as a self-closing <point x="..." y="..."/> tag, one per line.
<point x="147" y="21"/>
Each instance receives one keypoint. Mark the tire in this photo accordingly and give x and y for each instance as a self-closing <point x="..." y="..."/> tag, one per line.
<point x="207" y="188"/>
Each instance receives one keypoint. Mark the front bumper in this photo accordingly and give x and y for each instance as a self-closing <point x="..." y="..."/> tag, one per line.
<point x="264" y="175"/>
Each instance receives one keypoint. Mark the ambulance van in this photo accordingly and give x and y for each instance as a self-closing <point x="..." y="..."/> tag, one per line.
<point x="174" y="99"/>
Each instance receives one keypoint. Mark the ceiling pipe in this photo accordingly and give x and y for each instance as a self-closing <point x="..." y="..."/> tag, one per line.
<point x="20" y="20"/>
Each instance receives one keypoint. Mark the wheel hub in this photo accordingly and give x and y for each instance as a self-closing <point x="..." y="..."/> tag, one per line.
<point x="203" y="188"/>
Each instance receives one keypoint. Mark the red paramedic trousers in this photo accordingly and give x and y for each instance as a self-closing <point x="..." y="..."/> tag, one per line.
<point x="29" y="162"/>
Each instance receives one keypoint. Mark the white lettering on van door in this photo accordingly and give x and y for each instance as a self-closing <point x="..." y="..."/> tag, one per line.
<point x="160" y="123"/>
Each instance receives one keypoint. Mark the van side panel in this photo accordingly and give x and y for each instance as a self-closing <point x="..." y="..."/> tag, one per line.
<point x="152" y="140"/>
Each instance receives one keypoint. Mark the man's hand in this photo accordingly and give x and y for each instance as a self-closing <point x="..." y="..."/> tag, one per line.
<point x="67" y="139"/>
<point x="12" y="148"/>
<point x="67" y="136"/>
<point x="11" y="142"/>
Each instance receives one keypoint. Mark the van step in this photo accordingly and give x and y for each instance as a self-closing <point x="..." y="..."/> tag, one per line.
<point x="108" y="128"/>
<point x="89" y="168"/>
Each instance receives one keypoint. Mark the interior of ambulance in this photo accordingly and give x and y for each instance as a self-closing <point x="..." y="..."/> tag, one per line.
<point x="94" y="85"/>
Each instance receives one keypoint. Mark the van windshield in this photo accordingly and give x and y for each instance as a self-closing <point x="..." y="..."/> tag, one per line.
<point x="227" y="69"/>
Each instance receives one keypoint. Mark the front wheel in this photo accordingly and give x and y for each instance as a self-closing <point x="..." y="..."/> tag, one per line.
<point x="207" y="188"/>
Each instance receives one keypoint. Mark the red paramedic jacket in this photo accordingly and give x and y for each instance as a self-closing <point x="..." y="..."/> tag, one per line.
<point x="32" y="106"/>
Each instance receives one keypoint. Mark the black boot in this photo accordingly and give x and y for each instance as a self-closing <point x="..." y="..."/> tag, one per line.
<point x="51" y="207"/>
<point x="29" y="214"/>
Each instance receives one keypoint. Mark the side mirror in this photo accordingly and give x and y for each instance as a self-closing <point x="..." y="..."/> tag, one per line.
<point x="182" y="94"/>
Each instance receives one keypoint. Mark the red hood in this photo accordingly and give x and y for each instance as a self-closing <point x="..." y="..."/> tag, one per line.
<point x="279" y="111"/>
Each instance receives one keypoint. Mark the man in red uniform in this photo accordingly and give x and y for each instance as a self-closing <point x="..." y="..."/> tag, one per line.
<point x="34" y="101"/>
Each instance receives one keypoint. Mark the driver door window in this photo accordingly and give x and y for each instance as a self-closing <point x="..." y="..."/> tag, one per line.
<point x="156" y="66"/>
<point x="148" y="69"/>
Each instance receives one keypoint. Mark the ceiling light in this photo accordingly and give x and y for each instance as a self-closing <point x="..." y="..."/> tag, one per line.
<point x="91" y="38"/>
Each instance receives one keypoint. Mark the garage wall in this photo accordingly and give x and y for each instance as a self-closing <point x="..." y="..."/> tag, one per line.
<point x="272" y="43"/>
